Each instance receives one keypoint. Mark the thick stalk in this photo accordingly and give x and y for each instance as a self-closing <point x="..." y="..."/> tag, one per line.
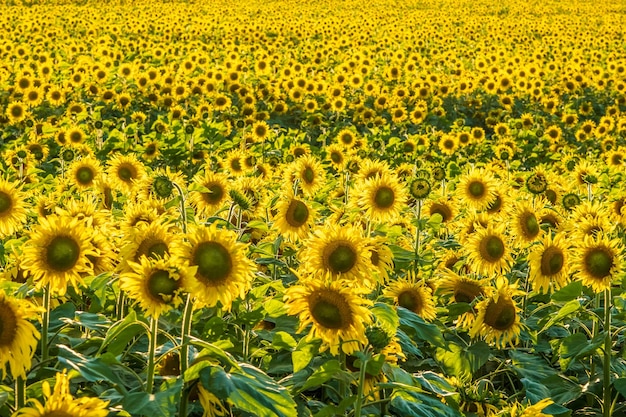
<point x="359" y="396"/>
<point x="154" y="327"/>
<point x="20" y="392"/>
<point x="606" y="383"/>
<point x="45" y="323"/>
<point x="184" y="353"/>
<point x="418" y="231"/>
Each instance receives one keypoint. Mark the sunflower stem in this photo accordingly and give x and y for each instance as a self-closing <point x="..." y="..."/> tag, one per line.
<point x="154" y="326"/>
<point x="45" y="323"/>
<point x="342" y="384"/>
<point x="119" y="308"/>
<point x="359" y="395"/>
<point x="20" y="392"/>
<point x="418" y="231"/>
<point x="606" y="383"/>
<point x="183" y="212"/>
<point x="184" y="352"/>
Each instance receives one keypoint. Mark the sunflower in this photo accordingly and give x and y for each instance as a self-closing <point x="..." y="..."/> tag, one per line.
<point x="156" y="283"/>
<point x="17" y="112"/>
<point x="525" y="220"/>
<point x="549" y="263"/>
<point x="339" y="251"/>
<point x="84" y="172"/>
<point x="57" y="253"/>
<point x="441" y="205"/>
<point x="598" y="262"/>
<point x="75" y="135"/>
<point x="294" y="217"/>
<point x="477" y="189"/>
<point x="336" y="310"/>
<point x="208" y="193"/>
<point x="12" y="208"/>
<point x="154" y="240"/>
<point x="497" y="318"/>
<point x="61" y="403"/>
<point x="235" y="163"/>
<point x="336" y="155"/>
<point x="413" y="294"/>
<point x="463" y="289"/>
<point x="211" y="405"/>
<point x="535" y="410"/>
<point x="382" y="198"/>
<point x="18" y="336"/>
<point x="124" y="172"/>
<point x="223" y="272"/>
<point x="160" y="185"/>
<point x="488" y="251"/>
<point x="381" y="257"/>
<point x="310" y="174"/>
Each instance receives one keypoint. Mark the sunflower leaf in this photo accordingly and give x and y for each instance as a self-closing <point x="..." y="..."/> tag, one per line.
<point x="577" y="346"/>
<point x="417" y="328"/>
<point x="416" y="404"/>
<point x="386" y="316"/>
<point x="323" y="374"/>
<point x="304" y="352"/>
<point x="570" y="292"/>
<point x="567" y="309"/>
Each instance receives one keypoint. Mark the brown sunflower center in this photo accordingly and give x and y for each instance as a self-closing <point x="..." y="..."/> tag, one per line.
<point x="56" y="413"/>
<point x="336" y="157"/>
<point x="235" y="165"/>
<point x="411" y="300"/>
<point x="491" y="248"/>
<point x="85" y="175"/>
<point x="308" y="175"/>
<point x="443" y="210"/>
<point x="161" y="285"/>
<point x="466" y="292"/>
<point x="495" y="205"/>
<point x="529" y="225"/>
<point x="340" y="256"/>
<point x="62" y="253"/>
<point x="552" y="261"/>
<point x="152" y="248"/>
<point x="297" y="213"/>
<point x="17" y="111"/>
<point x="500" y="314"/>
<point x="215" y="193"/>
<point x="8" y="324"/>
<point x="214" y="262"/>
<point x="476" y="189"/>
<point x="384" y="197"/>
<point x="330" y="309"/>
<point x="598" y="262"/>
<point x="127" y="172"/>
<point x="6" y="203"/>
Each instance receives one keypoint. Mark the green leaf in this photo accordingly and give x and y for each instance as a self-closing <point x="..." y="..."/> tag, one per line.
<point x="570" y="292"/>
<point x="530" y="366"/>
<point x="121" y="333"/>
<point x="567" y="309"/>
<point x="305" y="351"/>
<point x="536" y="392"/>
<point x="386" y="316"/>
<point x="437" y="384"/>
<point x="323" y="374"/>
<point x="95" y="322"/>
<point x="61" y="315"/>
<point x="577" y="346"/>
<point x="454" y="362"/>
<point x="332" y="410"/>
<point x="415" y="404"/>
<point x="162" y="404"/>
<point x="92" y="369"/>
<point x="562" y="389"/>
<point x="4" y="396"/>
<point x="249" y="390"/>
<point x="417" y="328"/>
<point x="620" y="386"/>
<point x="283" y="340"/>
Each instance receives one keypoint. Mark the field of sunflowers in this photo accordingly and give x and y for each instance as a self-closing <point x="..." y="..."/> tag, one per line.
<point x="322" y="208"/>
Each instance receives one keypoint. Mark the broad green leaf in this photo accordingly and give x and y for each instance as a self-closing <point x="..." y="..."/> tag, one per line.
<point x="415" y="404"/>
<point x="439" y="385"/>
<point x="323" y="374"/>
<point x="568" y="293"/>
<point x="92" y="369"/>
<point x="620" y="386"/>
<point x="283" y="340"/>
<point x="162" y="404"/>
<point x="567" y="309"/>
<point x="305" y="351"/>
<point x="337" y="410"/>
<point x="577" y="346"/>
<point x="249" y="390"/>
<point x="536" y="392"/>
<point x="417" y="328"/>
<point x="4" y="396"/>
<point x="530" y="366"/>
<point x="95" y="322"/>
<point x="562" y="389"/>
<point x="121" y="333"/>
<point x="61" y="315"/>
<point x="386" y="316"/>
<point x="454" y="362"/>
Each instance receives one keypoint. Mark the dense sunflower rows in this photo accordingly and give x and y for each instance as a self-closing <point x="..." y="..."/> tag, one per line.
<point x="413" y="208"/>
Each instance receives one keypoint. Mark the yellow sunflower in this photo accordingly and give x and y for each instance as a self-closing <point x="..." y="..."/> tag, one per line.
<point x="525" y="220"/>
<point x="309" y="172"/>
<point x="549" y="263"/>
<point x="124" y="172"/>
<point x="18" y="336"/>
<point x="413" y="294"/>
<point x="477" y="189"/>
<point x="381" y="257"/>
<point x="211" y="405"/>
<point x="336" y="310"/>
<point x="294" y="217"/>
<point x="223" y="271"/>
<point x="61" y="403"/>
<point x="156" y="284"/>
<point x="84" y="172"/>
<point x="488" y="251"/>
<point x="497" y="318"/>
<point x="208" y="193"/>
<point x="382" y="198"/>
<point x="463" y="289"/>
<point x="598" y="261"/>
<point x="338" y="250"/>
<point x="57" y="253"/>
<point x="160" y="185"/>
<point x="154" y="240"/>
<point x="12" y="208"/>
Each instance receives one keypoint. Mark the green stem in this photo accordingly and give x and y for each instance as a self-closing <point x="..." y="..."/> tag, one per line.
<point x="119" y="308"/>
<point x="594" y="333"/>
<point x="418" y="231"/>
<point x="184" y="352"/>
<point x="154" y="327"/>
<point x="183" y="212"/>
<point x="45" y="324"/>
<point x="342" y="383"/>
<point x="606" y="383"/>
<point x="20" y="392"/>
<point x="359" y="396"/>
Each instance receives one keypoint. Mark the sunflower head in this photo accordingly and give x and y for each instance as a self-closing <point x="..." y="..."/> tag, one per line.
<point x="18" y="337"/>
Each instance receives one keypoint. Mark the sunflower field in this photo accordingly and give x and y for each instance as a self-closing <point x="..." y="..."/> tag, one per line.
<point x="323" y="208"/>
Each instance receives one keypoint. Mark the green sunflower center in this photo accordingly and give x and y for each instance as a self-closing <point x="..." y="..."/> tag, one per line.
<point x="530" y="225"/>
<point x="466" y="292"/>
<point x="8" y="324"/>
<point x="214" y="262"/>
<point x="330" y="309"/>
<point x="492" y="248"/>
<point x="476" y="189"/>
<point x="62" y="253"/>
<point x="552" y="261"/>
<point x="126" y="172"/>
<point x="152" y="248"/>
<point x="420" y="188"/>
<point x="6" y="203"/>
<point x="215" y="194"/>
<point x="500" y="315"/>
<point x="598" y="262"/>
<point x="340" y="257"/>
<point x="308" y="175"/>
<point x="161" y="285"/>
<point x="163" y="187"/>
<point x="384" y="197"/>
<point x="297" y="213"/>
<point x="85" y="175"/>
<point x="411" y="300"/>
<point x="495" y="205"/>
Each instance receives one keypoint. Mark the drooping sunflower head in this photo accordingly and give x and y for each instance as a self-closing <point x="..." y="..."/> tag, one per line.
<point x="381" y="257"/>
<point x="309" y="173"/>
<point x="152" y="241"/>
<point x="18" y="336"/>
<point x="160" y="185"/>
<point x="12" y="208"/>
<point x="414" y="294"/>
<point x="598" y="260"/>
<point x="442" y="206"/>
<point x="488" y="251"/>
<point x="223" y="272"/>
<point x="339" y="251"/>
<point x="335" y="309"/>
